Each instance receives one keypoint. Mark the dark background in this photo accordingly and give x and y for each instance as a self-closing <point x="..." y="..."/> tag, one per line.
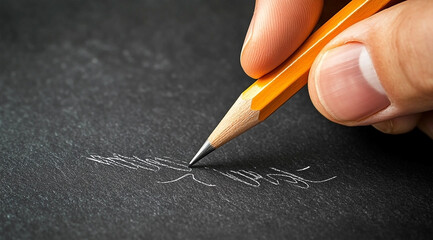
<point x="153" y="78"/>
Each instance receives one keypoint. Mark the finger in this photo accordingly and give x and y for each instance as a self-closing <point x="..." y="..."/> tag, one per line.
<point x="398" y="125"/>
<point x="277" y="28"/>
<point x="378" y="69"/>
<point x="425" y="124"/>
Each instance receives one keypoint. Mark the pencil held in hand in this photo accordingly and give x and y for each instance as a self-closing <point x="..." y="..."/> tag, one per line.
<point x="269" y="92"/>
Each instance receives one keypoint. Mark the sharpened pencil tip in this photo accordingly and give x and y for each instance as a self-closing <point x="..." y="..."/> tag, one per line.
<point x="204" y="150"/>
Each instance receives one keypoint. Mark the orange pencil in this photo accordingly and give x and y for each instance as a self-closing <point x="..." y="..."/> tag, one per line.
<point x="269" y="92"/>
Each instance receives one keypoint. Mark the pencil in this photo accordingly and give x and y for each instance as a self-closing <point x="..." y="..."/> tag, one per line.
<point x="269" y="92"/>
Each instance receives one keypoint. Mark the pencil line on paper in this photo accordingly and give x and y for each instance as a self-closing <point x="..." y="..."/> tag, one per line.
<point x="303" y="169"/>
<point x="186" y="175"/>
<point x="273" y="176"/>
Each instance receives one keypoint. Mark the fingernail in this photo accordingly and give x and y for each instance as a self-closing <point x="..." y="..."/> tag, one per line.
<point x="248" y="35"/>
<point x="347" y="83"/>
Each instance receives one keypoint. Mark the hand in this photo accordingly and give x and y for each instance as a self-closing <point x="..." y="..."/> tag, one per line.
<point x="377" y="72"/>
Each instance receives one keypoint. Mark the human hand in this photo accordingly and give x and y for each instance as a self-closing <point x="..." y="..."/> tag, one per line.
<point x="377" y="72"/>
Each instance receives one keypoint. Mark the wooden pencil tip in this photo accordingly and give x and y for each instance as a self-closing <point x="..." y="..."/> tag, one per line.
<point x="204" y="150"/>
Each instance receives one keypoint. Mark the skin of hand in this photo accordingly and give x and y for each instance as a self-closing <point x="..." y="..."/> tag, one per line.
<point x="377" y="72"/>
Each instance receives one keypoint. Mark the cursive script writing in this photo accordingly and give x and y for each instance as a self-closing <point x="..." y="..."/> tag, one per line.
<point x="253" y="179"/>
<point x="250" y="178"/>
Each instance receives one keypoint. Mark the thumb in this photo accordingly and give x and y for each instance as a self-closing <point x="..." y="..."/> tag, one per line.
<point x="378" y="69"/>
<point x="276" y="30"/>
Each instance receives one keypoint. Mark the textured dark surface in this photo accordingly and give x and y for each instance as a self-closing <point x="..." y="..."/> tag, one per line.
<point x="152" y="79"/>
